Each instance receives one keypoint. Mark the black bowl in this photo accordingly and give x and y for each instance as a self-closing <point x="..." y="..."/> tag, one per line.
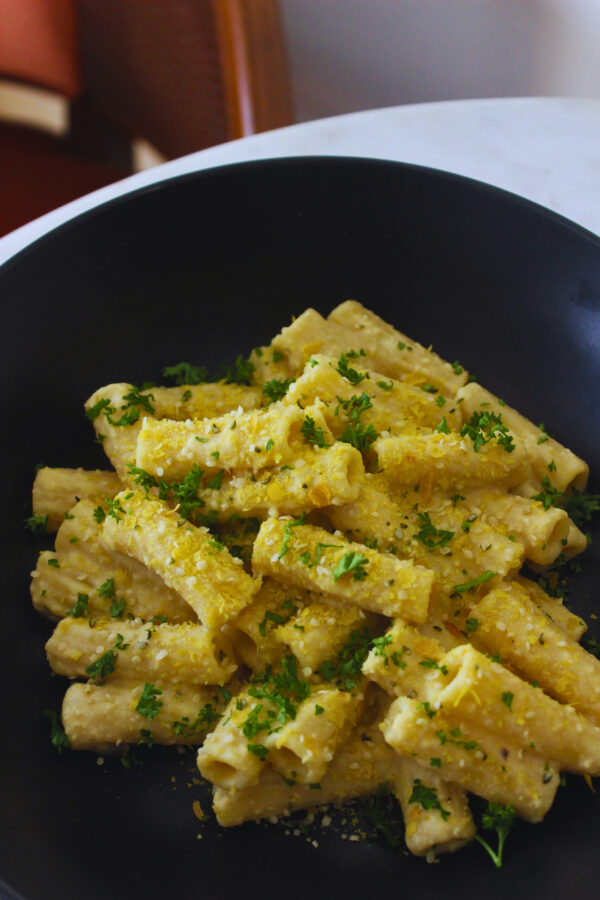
<point x="202" y="268"/>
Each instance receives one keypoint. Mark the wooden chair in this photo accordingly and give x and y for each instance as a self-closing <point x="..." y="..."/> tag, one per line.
<point x="183" y="74"/>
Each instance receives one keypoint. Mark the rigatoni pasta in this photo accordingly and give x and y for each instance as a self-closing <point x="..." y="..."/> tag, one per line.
<point x="317" y="578"/>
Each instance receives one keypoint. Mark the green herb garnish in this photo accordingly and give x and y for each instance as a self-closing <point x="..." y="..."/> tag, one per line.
<point x="148" y="705"/>
<point x="500" y="819"/>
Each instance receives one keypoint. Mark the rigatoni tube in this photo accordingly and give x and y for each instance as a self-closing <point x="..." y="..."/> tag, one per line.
<point x="185" y="653"/>
<point x="485" y="693"/>
<point x="312" y="558"/>
<point x="188" y="559"/>
<point x="107" y="716"/>
<point x="479" y="761"/>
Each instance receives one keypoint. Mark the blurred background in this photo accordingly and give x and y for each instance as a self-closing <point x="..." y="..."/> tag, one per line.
<point x="92" y="90"/>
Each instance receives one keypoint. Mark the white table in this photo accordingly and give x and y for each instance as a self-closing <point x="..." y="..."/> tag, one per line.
<point x="545" y="149"/>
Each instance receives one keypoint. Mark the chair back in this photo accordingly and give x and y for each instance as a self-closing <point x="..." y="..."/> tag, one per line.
<point x="39" y="44"/>
<point x="185" y="74"/>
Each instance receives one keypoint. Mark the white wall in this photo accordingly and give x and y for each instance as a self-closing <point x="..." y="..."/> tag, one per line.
<point x="347" y="55"/>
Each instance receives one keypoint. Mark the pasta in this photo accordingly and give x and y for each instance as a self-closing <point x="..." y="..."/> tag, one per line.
<point x="316" y="578"/>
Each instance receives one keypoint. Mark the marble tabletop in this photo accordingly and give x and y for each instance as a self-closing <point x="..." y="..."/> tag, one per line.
<point x="544" y="149"/>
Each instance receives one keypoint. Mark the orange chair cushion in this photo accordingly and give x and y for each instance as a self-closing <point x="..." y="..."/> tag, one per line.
<point x="39" y="43"/>
<point x="37" y="174"/>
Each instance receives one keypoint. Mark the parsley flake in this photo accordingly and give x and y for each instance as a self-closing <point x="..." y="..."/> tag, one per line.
<point x="431" y="536"/>
<point x="344" y="368"/>
<point x="313" y="434"/>
<point x="37" y="524"/>
<point x="277" y="388"/>
<point x="507" y="699"/>
<point x="148" y="705"/>
<point x="287" y="534"/>
<point x="354" y="562"/>
<point x="427" y="798"/>
<point x="471" y="585"/>
<point x="57" y="733"/>
<point x="185" y="373"/>
<point x="484" y="426"/>
<point x="500" y="819"/>
<point x="79" y="610"/>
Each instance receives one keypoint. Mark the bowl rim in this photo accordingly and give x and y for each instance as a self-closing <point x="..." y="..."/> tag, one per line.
<point x="291" y="162"/>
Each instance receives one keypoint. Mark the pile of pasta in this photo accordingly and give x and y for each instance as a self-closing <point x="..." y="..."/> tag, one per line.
<point x="315" y="577"/>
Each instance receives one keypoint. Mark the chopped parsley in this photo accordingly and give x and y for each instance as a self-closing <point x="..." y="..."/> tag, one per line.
<point x="306" y="559"/>
<point x="107" y="589"/>
<point x="593" y="646"/>
<point x="57" y="733"/>
<point x="429" y="663"/>
<point x="185" y="373"/>
<point x="345" y="669"/>
<point x="258" y="750"/>
<point x="431" y="536"/>
<point x="313" y="434"/>
<point x="216" y="481"/>
<point x="117" y="608"/>
<point x="360" y="436"/>
<point x="283" y="689"/>
<point x="484" y="426"/>
<point x="115" y="509"/>
<point x="544" y="435"/>
<point x="287" y="534"/>
<point x="277" y="618"/>
<point x="427" y="798"/>
<point x="579" y="505"/>
<point x="276" y="389"/>
<point x="354" y="562"/>
<point x="102" y="667"/>
<point x="134" y="402"/>
<point x="356" y="434"/>
<point x="355" y="406"/>
<point x="80" y="608"/>
<point x="183" y="493"/>
<point x="471" y="585"/>
<point x="142" y="478"/>
<point x="380" y="643"/>
<point x="507" y="699"/>
<point x="215" y="544"/>
<point x="207" y="717"/>
<point x="500" y="819"/>
<point x="240" y="372"/>
<point x="382" y="811"/>
<point x="344" y="368"/>
<point x="456" y="737"/>
<point x="37" y="524"/>
<point x="100" y="406"/>
<point x="148" y="705"/>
